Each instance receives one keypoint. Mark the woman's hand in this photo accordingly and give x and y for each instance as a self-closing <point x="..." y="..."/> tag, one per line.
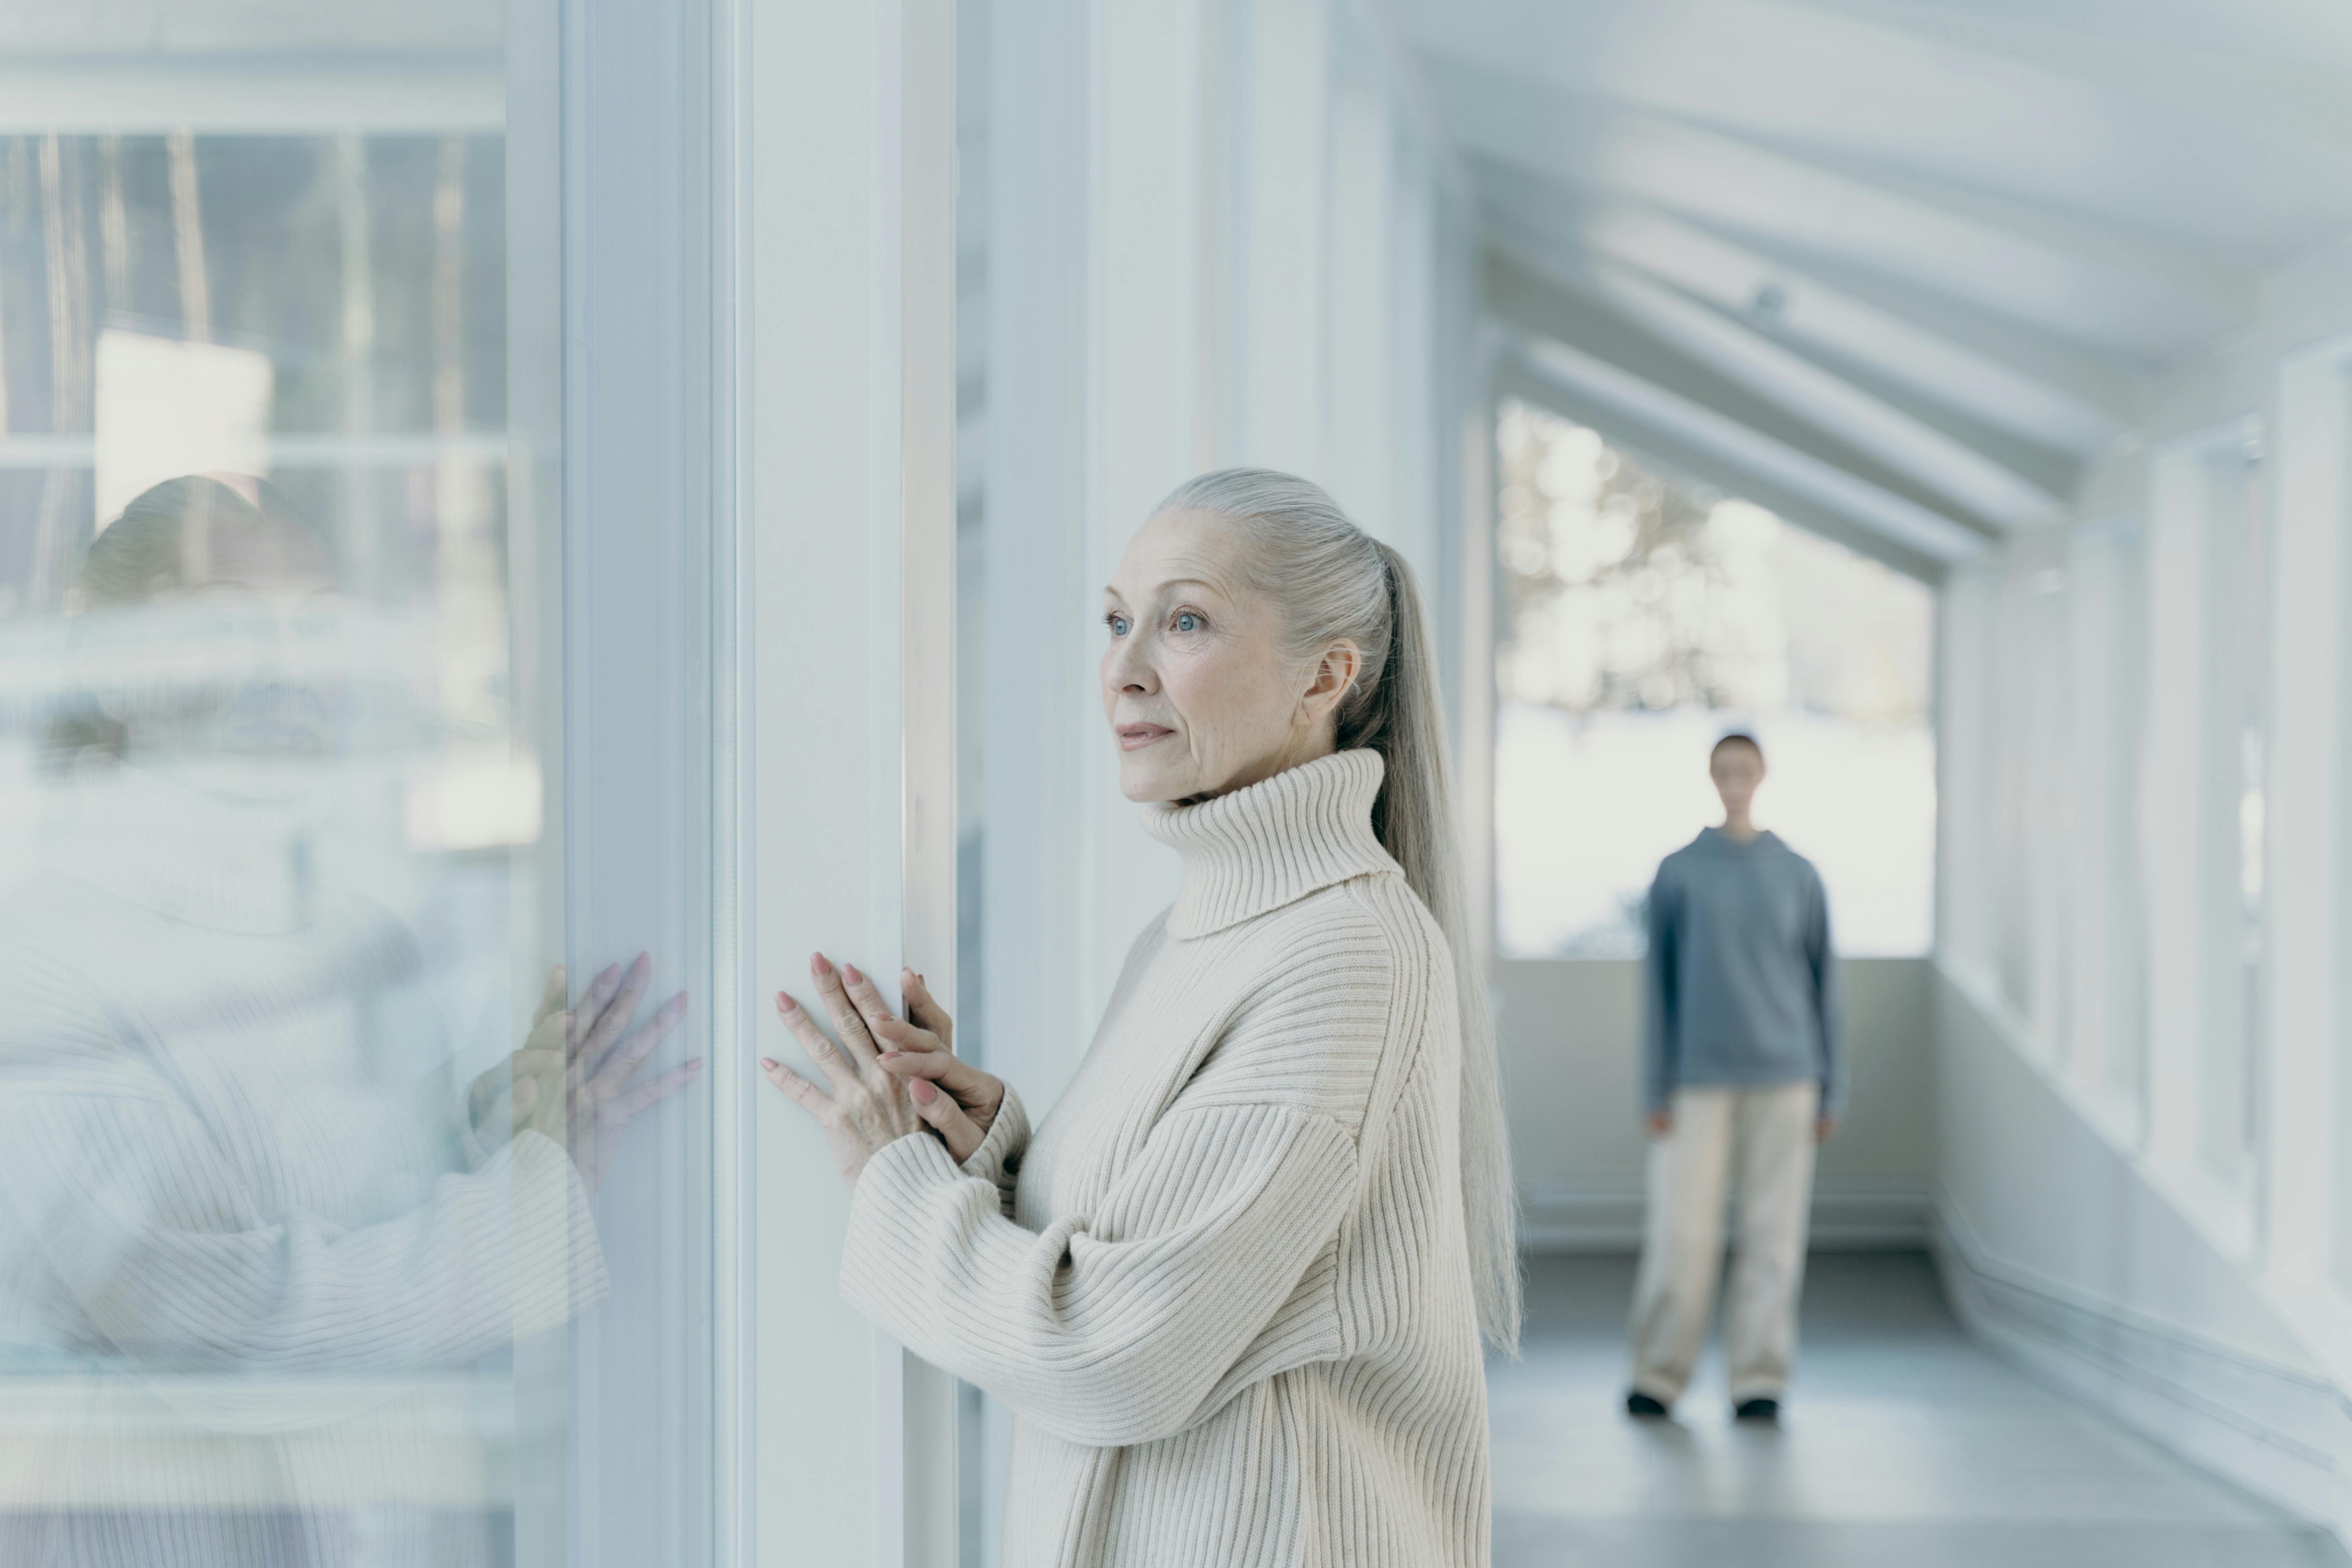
<point x="868" y="1108"/>
<point x="921" y="1052"/>
<point x="571" y="1081"/>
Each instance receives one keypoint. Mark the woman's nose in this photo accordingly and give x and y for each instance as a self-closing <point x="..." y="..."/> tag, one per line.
<point x="1129" y="670"/>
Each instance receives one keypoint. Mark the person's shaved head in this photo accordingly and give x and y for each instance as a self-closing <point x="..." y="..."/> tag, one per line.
<point x="1736" y="738"/>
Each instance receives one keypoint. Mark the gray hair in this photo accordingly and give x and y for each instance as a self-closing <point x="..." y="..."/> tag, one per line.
<point x="1335" y="582"/>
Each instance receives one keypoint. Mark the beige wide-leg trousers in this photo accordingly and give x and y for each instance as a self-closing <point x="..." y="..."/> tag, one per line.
<point x="1768" y="1131"/>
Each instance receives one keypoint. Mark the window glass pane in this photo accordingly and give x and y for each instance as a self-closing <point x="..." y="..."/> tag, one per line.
<point x="2105" y="649"/>
<point x="1643" y="617"/>
<point x="308" y="1251"/>
<point x="2236" y="715"/>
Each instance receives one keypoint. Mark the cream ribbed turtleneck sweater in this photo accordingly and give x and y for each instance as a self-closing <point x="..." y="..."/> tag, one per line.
<point x="1226" y="1288"/>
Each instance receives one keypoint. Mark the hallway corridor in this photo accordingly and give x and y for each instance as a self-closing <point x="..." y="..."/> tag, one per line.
<point x="1906" y="1444"/>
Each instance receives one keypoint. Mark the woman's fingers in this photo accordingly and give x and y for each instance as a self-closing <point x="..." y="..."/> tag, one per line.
<point x="799" y="1088"/>
<point x="611" y="1075"/>
<point x="872" y="1010"/>
<point x="605" y="1033"/>
<point x="551" y="1000"/>
<point x="846" y="1020"/>
<point x="591" y="1006"/>
<point x="531" y="1061"/>
<point x="940" y="1111"/>
<point x="936" y="1066"/>
<point x="626" y="1108"/>
<point x="951" y="1073"/>
<point x="891" y="1035"/>
<point x="839" y="1070"/>
<point x="924" y="1010"/>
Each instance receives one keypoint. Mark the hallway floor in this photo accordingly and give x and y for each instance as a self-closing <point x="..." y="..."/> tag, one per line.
<point x="1904" y="1443"/>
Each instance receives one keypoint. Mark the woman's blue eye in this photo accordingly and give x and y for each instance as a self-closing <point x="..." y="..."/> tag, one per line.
<point x="1188" y="622"/>
<point x="1118" y="625"/>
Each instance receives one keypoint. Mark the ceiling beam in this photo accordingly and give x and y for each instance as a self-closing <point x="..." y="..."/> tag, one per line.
<point x="1662" y="444"/>
<point x="1963" y="475"/>
<point x="1989" y="371"/>
<point x="2085" y="281"/>
<point x="1520" y="296"/>
<point x="2272" y="71"/>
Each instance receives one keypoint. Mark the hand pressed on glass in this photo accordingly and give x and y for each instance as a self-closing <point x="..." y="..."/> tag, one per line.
<point x="887" y="1074"/>
<point x="571" y="1081"/>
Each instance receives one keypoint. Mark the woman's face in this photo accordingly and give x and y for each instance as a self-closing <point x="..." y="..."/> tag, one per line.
<point x="1199" y="692"/>
<point x="258" y="642"/>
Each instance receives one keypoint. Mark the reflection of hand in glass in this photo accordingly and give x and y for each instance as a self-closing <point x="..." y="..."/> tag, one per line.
<point x="571" y="1081"/>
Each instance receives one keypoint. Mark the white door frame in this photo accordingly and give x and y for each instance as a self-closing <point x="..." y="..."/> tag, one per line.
<point x="840" y="175"/>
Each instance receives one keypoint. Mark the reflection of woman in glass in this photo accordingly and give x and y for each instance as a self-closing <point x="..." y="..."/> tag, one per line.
<point x="1232" y="1288"/>
<point x="244" y="1213"/>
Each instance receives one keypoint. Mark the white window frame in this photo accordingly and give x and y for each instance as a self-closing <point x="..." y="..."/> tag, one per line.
<point x="838" y="185"/>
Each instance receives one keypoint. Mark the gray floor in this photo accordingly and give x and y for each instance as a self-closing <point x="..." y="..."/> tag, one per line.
<point x="1904" y="1445"/>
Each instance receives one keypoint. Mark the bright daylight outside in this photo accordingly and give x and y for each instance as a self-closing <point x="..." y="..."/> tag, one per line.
<point x="1643" y="617"/>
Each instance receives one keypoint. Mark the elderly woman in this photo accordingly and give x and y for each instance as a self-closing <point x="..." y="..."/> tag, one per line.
<point x="1233" y="1287"/>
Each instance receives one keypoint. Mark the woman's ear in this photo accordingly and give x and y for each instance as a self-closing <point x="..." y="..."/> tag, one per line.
<point x="1334" y="672"/>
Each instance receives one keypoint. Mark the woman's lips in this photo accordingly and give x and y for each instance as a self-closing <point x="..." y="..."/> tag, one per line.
<point x="1135" y="737"/>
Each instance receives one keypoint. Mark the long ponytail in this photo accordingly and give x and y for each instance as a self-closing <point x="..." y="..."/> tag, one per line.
<point x="1334" y="582"/>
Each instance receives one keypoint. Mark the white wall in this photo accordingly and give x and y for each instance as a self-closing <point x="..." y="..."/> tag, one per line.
<point x="2065" y="1249"/>
<point x="1219" y="233"/>
<point x="1570" y="1033"/>
<point x="2144" y="1193"/>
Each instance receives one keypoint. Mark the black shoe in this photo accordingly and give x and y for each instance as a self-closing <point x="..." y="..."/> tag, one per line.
<point x="1640" y="1404"/>
<point x="1762" y="1408"/>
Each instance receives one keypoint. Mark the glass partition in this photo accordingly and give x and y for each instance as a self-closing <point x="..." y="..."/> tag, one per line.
<point x="355" y="1178"/>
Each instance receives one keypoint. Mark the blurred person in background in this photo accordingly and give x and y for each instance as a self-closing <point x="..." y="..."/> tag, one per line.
<point x="253" y="1232"/>
<point x="1740" y="1069"/>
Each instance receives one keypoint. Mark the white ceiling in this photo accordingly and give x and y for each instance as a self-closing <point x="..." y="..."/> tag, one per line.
<point x="1944" y="237"/>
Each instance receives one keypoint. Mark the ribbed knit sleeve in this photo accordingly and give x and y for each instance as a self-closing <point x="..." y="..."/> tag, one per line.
<point x="997" y="1160"/>
<point x="1116" y="1327"/>
<point x="148" y="1229"/>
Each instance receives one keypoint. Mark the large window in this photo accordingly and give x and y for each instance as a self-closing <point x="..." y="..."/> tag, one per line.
<point x="354" y="1195"/>
<point x="1643" y="617"/>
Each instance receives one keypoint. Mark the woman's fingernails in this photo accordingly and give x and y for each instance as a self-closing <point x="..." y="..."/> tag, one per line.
<point x="921" y="1089"/>
<point x="817" y="965"/>
<point x="783" y="1003"/>
<point x="849" y="973"/>
<point x="768" y="1062"/>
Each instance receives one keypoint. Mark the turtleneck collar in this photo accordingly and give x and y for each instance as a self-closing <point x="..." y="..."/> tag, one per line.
<point x="1272" y="842"/>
